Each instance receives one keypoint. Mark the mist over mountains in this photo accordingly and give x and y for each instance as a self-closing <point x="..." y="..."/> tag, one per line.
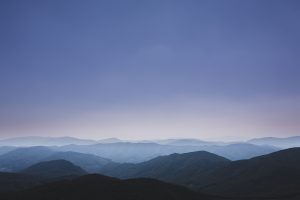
<point x="135" y="151"/>
<point x="162" y="169"/>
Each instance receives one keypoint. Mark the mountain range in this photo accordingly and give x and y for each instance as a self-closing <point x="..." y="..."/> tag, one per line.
<point x="128" y="152"/>
<point x="269" y="176"/>
<point x="205" y="176"/>
<point x="22" y="158"/>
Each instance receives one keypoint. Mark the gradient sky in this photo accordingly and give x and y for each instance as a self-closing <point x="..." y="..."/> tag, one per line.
<point x="150" y="69"/>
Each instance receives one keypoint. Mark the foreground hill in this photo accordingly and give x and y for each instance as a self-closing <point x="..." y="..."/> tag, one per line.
<point x="54" y="169"/>
<point x="16" y="181"/>
<point x="273" y="175"/>
<point x="175" y="168"/>
<point x="39" y="174"/>
<point x="101" y="187"/>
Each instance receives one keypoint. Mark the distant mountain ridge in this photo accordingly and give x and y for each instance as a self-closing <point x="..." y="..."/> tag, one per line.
<point x="139" y="152"/>
<point x="44" y="141"/>
<point x="287" y="142"/>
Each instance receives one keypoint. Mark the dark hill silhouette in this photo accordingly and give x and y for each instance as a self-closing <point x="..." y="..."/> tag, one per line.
<point x="175" y="168"/>
<point x="54" y="169"/>
<point x="101" y="187"/>
<point x="276" y="174"/>
<point x="14" y="181"/>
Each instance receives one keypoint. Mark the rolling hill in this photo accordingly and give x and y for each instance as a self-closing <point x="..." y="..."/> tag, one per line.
<point x="90" y="163"/>
<point x="175" y="168"/>
<point x="22" y="158"/>
<point x="273" y="175"/>
<point x="54" y="169"/>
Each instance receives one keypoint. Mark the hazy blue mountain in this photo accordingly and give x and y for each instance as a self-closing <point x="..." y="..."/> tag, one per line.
<point x="90" y="163"/>
<point x="278" y="142"/>
<point x="6" y="149"/>
<point x="139" y="152"/>
<point x="101" y="187"/>
<point x="23" y="157"/>
<point x="273" y="175"/>
<point x="125" y="151"/>
<point x="175" y="168"/>
<point x="54" y="169"/>
<point x="187" y="142"/>
<point x="44" y="141"/>
<point x="109" y="140"/>
<point x="240" y="151"/>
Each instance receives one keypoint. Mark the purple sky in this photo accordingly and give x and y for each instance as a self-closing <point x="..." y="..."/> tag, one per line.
<point x="150" y="69"/>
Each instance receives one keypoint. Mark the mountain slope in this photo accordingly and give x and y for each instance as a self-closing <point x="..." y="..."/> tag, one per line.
<point x="240" y="151"/>
<point x="23" y="157"/>
<point x="54" y="169"/>
<point x="175" y="168"/>
<point x="6" y="149"/>
<point x="101" y="187"/>
<point x="276" y="174"/>
<point x="88" y="162"/>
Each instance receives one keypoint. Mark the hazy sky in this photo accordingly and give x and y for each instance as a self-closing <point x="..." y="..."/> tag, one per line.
<point x="150" y="69"/>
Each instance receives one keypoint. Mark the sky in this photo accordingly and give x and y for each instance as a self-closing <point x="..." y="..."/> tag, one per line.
<point x="137" y="69"/>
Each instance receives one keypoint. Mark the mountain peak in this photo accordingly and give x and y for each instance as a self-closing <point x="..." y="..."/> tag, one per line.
<point x="54" y="168"/>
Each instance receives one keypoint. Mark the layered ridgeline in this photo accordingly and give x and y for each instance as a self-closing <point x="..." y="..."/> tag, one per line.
<point x="101" y="187"/>
<point x="272" y="175"/>
<point x="22" y="158"/>
<point x="175" y="168"/>
<point x="134" y="152"/>
<point x="275" y="175"/>
<point x="277" y="142"/>
<point x="61" y="179"/>
<point x="93" y="157"/>
<point x="54" y="169"/>
<point x="39" y="174"/>
<point x="138" y="152"/>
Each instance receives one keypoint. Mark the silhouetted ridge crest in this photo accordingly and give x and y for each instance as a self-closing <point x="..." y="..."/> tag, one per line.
<point x="54" y="168"/>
